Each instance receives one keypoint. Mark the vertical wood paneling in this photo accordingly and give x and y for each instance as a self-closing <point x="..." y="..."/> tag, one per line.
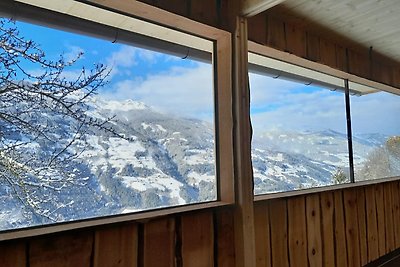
<point x="176" y="6"/>
<point x="341" y="58"/>
<point x="258" y="24"/>
<point x="13" y="254"/>
<point x="295" y="40"/>
<point x="340" y="231"/>
<point x="313" y="47"/>
<point x="359" y="63"/>
<point x="380" y="214"/>
<point x="362" y="225"/>
<point x="352" y="236"/>
<point x="389" y="223"/>
<point x="225" y="238"/>
<point x="197" y="240"/>
<point x="125" y="238"/>
<point x="67" y="250"/>
<point x="328" y="53"/>
<point x="396" y="76"/>
<point x="279" y="235"/>
<point x="372" y="226"/>
<point x="314" y="230"/>
<point x="327" y="211"/>
<point x="396" y="211"/>
<point x="276" y="33"/>
<point x="159" y="243"/>
<point x="262" y="235"/>
<point x="297" y="231"/>
<point x="204" y="11"/>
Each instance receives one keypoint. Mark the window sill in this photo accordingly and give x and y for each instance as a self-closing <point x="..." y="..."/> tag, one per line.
<point x="86" y="223"/>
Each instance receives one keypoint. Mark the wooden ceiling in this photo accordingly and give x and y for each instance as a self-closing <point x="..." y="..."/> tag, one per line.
<point x="370" y="23"/>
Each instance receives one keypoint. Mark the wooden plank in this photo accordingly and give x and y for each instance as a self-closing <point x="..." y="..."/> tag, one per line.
<point x="328" y="53"/>
<point x="362" y="225"/>
<point x="297" y="229"/>
<point x="380" y="214"/>
<point x="295" y="40"/>
<point x="341" y="58"/>
<point x="197" y="240"/>
<point x="225" y="238"/>
<point x="116" y="246"/>
<point x="279" y="235"/>
<point x="372" y="225"/>
<point x="175" y="6"/>
<point x="314" y="234"/>
<point x="340" y="230"/>
<point x="13" y="254"/>
<point x="352" y="233"/>
<point x="327" y="211"/>
<point x="159" y="243"/>
<point x="389" y="222"/>
<point x="359" y="63"/>
<point x="276" y="33"/>
<point x="258" y="29"/>
<point x="396" y="211"/>
<point x="245" y="249"/>
<point x="262" y="234"/>
<point x="396" y="76"/>
<point x="313" y="47"/>
<point x="67" y="250"/>
<point x="204" y="11"/>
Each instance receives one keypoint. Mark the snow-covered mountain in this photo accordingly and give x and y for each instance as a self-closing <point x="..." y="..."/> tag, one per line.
<point x="287" y="160"/>
<point x="157" y="160"/>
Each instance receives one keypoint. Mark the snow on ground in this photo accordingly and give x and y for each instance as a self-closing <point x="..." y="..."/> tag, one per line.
<point x="278" y="157"/>
<point x="195" y="178"/>
<point x="199" y="156"/>
<point x="157" y="181"/>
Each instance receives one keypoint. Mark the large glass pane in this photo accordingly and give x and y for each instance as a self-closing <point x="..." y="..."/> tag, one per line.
<point x="300" y="138"/>
<point x="376" y="135"/>
<point x="103" y="129"/>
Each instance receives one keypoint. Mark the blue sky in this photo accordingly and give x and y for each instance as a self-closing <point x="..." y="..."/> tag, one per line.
<point x="182" y="86"/>
<point x="167" y="83"/>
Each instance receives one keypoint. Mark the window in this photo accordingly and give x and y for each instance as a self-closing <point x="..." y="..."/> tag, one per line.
<point x="301" y="120"/>
<point x="119" y="124"/>
<point x="376" y="134"/>
<point x="299" y="137"/>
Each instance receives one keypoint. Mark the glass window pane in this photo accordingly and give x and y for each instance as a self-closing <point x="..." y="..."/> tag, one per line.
<point x="376" y="135"/>
<point x="74" y="146"/>
<point x="300" y="138"/>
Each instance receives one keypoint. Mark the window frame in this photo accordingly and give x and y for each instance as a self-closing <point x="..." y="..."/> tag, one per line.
<point x="354" y="82"/>
<point x="222" y="70"/>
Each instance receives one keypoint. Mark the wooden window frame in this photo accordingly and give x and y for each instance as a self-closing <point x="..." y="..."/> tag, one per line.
<point x="285" y="57"/>
<point x="222" y="68"/>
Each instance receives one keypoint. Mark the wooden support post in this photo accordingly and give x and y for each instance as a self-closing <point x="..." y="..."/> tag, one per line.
<point x="244" y="214"/>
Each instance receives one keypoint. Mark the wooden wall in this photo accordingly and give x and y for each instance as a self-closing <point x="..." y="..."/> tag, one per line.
<point x="193" y="240"/>
<point x="350" y="227"/>
<point x="326" y="47"/>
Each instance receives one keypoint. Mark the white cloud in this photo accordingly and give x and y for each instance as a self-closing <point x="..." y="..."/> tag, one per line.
<point x="123" y="58"/>
<point x="181" y="91"/>
<point x="292" y="106"/>
<point x="73" y="53"/>
<point x="376" y="113"/>
<point x="280" y="104"/>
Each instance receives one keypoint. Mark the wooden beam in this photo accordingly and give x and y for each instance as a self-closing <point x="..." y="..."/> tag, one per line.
<point x="251" y="8"/>
<point x="244" y="213"/>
